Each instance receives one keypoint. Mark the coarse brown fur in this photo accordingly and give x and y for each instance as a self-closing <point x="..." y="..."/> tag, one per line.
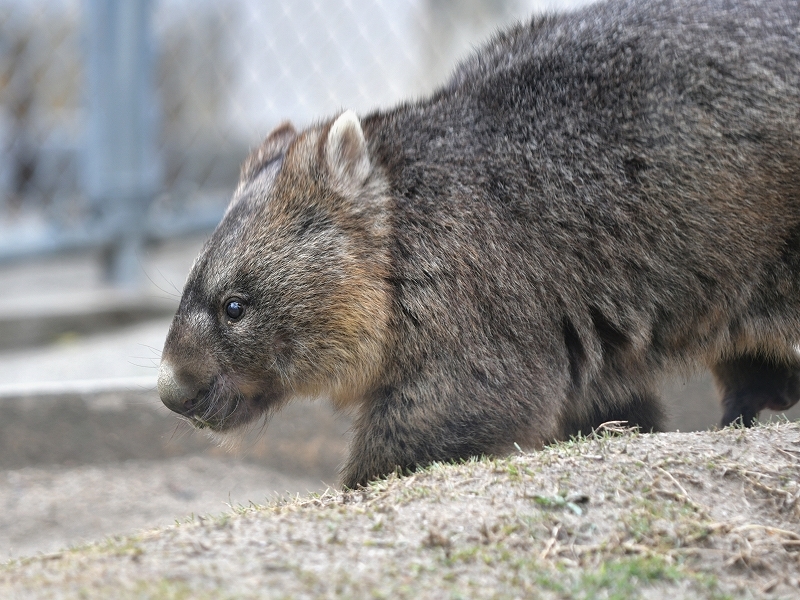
<point x="595" y="200"/>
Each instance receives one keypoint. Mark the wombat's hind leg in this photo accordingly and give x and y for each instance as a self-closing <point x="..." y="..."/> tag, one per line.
<point x="748" y="384"/>
<point x="644" y="411"/>
<point x="641" y="409"/>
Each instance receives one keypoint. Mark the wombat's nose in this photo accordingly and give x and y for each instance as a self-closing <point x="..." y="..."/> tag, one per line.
<point x="175" y="394"/>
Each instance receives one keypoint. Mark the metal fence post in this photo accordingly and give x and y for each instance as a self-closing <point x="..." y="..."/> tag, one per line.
<point x="122" y="168"/>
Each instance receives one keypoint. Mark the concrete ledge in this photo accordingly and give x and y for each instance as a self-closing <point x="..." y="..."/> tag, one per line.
<point x="85" y="388"/>
<point x="103" y="422"/>
<point x="83" y="314"/>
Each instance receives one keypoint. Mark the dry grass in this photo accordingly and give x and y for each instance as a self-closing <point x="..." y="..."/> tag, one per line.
<point x="697" y="515"/>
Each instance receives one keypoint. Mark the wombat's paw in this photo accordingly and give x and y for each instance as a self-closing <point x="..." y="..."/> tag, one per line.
<point x="789" y="395"/>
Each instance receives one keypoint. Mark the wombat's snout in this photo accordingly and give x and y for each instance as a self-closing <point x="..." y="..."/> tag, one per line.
<point x="177" y="395"/>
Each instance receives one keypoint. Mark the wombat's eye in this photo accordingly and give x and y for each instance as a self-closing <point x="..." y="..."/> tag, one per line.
<point x="234" y="308"/>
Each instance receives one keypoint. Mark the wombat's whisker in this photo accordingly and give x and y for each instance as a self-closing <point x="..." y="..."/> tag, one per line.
<point x="167" y="292"/>
<point x="187" y="420"/>
<point x="152" y="365"/>
<point x="155" y="350"/>
<point x="182" y="431"/>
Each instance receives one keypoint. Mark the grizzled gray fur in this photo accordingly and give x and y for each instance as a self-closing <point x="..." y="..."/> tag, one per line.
<point x="595" y="200"/>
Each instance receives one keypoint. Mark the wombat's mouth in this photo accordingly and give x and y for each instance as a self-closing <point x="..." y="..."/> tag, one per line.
<point x="224" y="406"/>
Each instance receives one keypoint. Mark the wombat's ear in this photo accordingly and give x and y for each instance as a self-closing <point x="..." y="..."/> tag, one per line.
<point x="275" y="145"/>
<point x="346" y="152"/>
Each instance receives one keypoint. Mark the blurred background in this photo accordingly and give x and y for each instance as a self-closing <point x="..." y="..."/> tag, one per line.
<point x="124" y="123"/>
<point x="122" y="127"/>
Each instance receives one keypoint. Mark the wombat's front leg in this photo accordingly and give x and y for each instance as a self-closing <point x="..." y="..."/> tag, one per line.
<point x="401" y="430"/>
<point x="749" y="384"/>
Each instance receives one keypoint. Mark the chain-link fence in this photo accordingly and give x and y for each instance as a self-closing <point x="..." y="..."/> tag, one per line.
<point x="210" y="78"/>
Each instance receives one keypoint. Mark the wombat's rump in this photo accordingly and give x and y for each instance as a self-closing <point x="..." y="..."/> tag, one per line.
<point x="594" y="200"/>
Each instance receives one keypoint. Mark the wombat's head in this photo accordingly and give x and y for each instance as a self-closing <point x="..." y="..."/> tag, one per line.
<point x="289" y="296"/>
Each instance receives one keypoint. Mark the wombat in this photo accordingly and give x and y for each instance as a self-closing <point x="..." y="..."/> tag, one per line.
<point x="593" y="201"/>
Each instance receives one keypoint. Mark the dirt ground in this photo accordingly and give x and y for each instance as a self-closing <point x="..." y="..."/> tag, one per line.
<point x="48" y="508"/>
<point x="675" y="515"/>
<point x="77" y="468"/>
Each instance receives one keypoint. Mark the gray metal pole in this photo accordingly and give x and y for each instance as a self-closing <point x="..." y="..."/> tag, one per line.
<point x="123" y="170"/>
